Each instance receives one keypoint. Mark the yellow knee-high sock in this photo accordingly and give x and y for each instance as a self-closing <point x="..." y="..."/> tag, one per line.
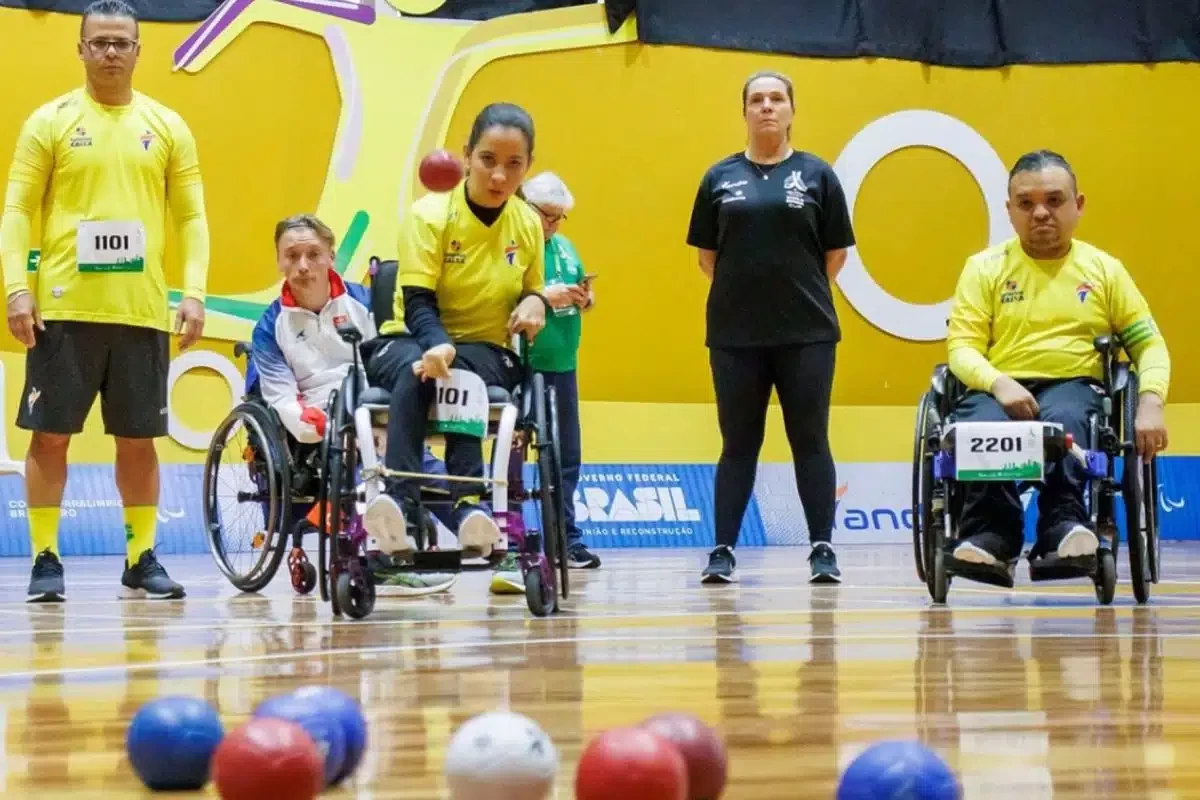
<point x="43" y="529"/>
<point x="140" y="525"/>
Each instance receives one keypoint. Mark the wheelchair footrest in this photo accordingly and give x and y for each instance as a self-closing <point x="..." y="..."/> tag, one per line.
<point x="994" y="575"/>
<point x="1053" y="568"/>
<point x="437" y="561"/>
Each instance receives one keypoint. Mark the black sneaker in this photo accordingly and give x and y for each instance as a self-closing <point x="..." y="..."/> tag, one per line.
<point x="824" y="564"/>
<point x="721" y="566"/>
<point x="579" y="557"/>
<point x="148" y="579"/>
<point x="46" y="581"/>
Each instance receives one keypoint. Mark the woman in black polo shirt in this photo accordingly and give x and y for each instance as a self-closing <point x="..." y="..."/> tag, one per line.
<point x="772" y="229"/>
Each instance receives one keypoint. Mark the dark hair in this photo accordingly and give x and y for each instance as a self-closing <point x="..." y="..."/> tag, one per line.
<point x="307" y="222"/>
<point x="503" y="115"/>
<point x="108" y="8"/>
<point x="1039" y="160"/>
<point x="769" y="73"/>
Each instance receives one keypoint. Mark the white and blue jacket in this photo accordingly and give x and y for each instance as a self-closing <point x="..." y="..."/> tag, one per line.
<point x="299" y="356"/>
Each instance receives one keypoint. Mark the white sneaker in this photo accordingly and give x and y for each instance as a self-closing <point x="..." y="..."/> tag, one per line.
<point x="974" y="554"/>
<point x="477" y="534"/>
<point x="384" y="520"/>
<point x="1078" y="542"/>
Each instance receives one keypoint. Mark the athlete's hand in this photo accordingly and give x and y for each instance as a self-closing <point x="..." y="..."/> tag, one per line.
<point x="529" y="317"/>
<point x="562" y="296"/>
<point x="1149" y="426"/>
<point x="1016" y="400"/>
<point x="435" y="362"/>
<point x="315" y="417"/>
<point x="23" y="317"/>
<point x="189" y="321"/>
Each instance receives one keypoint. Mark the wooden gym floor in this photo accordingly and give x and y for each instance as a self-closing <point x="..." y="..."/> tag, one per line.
<point x="1035" y="693"/>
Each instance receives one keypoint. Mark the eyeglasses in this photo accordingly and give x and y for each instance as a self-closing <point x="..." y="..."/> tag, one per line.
<point x="99" y="47"/>
<point x="551" y="218"/>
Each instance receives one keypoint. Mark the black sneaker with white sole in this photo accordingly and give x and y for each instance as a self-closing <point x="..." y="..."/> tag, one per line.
<point x="46" y="583"/>
<point x="579" y="557"/>
<point x="148" y="579"/>
<point x="721" y="566"/>
<point x="824" y="564"/>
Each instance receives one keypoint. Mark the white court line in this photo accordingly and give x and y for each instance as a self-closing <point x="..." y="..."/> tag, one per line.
<point x="236" y="625"/>
<point x="764" y="639"/>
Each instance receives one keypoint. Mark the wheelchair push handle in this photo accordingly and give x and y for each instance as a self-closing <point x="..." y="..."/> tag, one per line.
<point x="241" y="349"/>
<point x="349" y="333"/>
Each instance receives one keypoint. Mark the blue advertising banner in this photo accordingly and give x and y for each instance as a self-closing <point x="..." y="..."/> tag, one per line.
<point x="616" y="505"/>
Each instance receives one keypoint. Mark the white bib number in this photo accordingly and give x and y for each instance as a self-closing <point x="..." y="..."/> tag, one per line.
<point x="110" y="246"/>
<point x="461" y="405"/>
<point x="999" y="451"/>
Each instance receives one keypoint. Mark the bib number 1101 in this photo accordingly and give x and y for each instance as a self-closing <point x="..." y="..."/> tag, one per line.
<point x="453" y="396"/>
<point x="111" y="242"/>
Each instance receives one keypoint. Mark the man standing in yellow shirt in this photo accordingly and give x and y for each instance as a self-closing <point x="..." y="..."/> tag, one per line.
<point x="101" y="165"/>
<point x="1025" y="317"/>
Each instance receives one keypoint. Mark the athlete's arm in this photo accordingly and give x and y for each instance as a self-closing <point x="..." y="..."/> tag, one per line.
<point x="423" y="319"/>
<point x="278" y="383"/>
<point x="417" y="279"/>
<point x="837" y="229"/>
<point x="185" y="195"/>
<point x="32" y="164"/>
<point x="1129" y="314"/>
<point x="708" y="261"/>
<point x="702" y="229"/>
<point x="834" y="261"/>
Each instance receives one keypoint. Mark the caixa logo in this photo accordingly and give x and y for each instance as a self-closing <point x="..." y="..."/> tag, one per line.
<point x="869" y="518"/>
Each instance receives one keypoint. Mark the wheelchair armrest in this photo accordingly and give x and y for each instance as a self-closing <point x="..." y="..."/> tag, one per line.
<point x="1120" y="378"/>
<point x="947" y="386"/>
<point x="1103" y="344"/>
<point x="241" y="349"/>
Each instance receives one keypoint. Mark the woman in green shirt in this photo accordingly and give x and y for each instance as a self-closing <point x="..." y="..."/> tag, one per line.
<point x="555" y="352"/>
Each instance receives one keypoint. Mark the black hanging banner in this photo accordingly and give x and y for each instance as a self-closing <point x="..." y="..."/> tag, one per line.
<point x="965" y="33"/>
<point x="198" y="10"/>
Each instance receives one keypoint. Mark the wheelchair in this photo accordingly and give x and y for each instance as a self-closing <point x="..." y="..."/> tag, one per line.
<point x="343" y="473"/>
<point x="937" y="489"/>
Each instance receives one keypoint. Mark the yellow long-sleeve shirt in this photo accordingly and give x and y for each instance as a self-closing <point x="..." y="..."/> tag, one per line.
<point x="1031" y="319"/>
<point x="102" y="179"/>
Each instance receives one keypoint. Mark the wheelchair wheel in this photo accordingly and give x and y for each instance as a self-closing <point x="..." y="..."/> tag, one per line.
<point x="921" y="477"/>
<point x="1106" y="576"/>
<point x="549" y="490"/>
<point x="560" y="500"/>
<point x="1134" y="492"/>
<point x="539" y="597"/>
<point x="247" y="497"/>
<point x="939" y="581"/>
<point x="1150" y="495"/>
<point x="338" y="498"/>
<point x="356" y="597"/>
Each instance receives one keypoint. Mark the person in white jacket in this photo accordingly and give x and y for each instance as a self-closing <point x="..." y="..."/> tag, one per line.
<point x="298" y="358"/>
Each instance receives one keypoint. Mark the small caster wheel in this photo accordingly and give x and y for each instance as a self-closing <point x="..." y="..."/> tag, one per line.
<point x="356" y="597"/>
<point x="304" y="578"/>
<point x="1106" y="577"/>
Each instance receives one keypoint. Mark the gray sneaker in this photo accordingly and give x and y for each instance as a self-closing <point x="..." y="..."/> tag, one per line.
<point x="46" y="581"/>
<point x="415" y="584"/>
<point x="148" y="579"/>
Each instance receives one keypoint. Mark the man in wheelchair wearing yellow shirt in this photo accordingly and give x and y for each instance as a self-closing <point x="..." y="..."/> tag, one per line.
<point x="1021" y="336"/>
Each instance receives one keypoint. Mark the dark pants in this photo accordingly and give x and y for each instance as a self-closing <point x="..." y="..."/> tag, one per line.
<point x="566" y="389"/>
<point x="803" y="377"/>
<point x="995" y="507"/>
<point x="390" y="365"/>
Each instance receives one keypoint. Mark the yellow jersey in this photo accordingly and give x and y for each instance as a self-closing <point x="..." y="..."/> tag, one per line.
<point x="102" y="179"/>
<point x="1030" y="319"/>
<point x="478" y="272"/>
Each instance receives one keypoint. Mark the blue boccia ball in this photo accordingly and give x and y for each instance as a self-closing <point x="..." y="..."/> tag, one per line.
<point x="324" y="729"/>
<point x="171" y="741"/>
<point x="898" y="770"/>
<point x="346" y="710"/>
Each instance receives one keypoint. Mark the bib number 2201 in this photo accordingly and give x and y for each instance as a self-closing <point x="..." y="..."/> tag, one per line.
<point x="995" y="444"/>
<point x="999" y="451"/>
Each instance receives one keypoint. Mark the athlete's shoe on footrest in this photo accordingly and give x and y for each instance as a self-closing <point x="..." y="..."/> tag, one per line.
<point x="148" y="579"/>
<point x="995" y="574"/>
<point x="46" y="583"/>
<point x="1053" y="568"/>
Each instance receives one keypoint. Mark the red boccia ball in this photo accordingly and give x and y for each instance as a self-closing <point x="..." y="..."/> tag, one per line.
<point x="440" y="171"/>
<point x="702" y="751"/>
<point x="631" y="764"/>
<point x="268" y="759"/>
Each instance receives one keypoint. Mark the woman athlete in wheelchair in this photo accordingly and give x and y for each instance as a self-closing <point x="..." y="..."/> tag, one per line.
<point x="470" y="279"/>
<point x="1034" y="395"/>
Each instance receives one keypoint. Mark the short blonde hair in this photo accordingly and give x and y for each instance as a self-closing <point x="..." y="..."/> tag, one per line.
<point x="548" y="189"/>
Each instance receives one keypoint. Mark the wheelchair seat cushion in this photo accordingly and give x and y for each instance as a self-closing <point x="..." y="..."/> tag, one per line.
<point x="375" y="396"/>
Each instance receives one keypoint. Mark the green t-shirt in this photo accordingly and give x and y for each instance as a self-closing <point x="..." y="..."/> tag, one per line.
<point x="556" y="348"/>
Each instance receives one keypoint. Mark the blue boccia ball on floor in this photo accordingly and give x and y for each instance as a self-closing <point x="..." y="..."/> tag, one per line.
<point x="171" y="741"/>
<point x="324" y="729"/>
<point x="346" y="710"/>
<point x="898" y="770"/>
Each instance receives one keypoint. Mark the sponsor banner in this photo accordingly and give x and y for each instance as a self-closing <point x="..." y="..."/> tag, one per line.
<point x="616" y="505"/>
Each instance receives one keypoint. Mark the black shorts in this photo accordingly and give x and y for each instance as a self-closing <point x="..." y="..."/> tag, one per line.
<point x="73" y="361"/>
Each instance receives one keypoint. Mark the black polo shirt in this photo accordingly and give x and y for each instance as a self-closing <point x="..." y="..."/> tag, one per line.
<point x="771" y="225"/>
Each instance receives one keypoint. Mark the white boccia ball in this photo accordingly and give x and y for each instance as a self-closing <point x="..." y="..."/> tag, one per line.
<point x="500" y="755"/>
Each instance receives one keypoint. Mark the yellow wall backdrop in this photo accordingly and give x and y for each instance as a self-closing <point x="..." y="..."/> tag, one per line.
<point x="631" y="128"/>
